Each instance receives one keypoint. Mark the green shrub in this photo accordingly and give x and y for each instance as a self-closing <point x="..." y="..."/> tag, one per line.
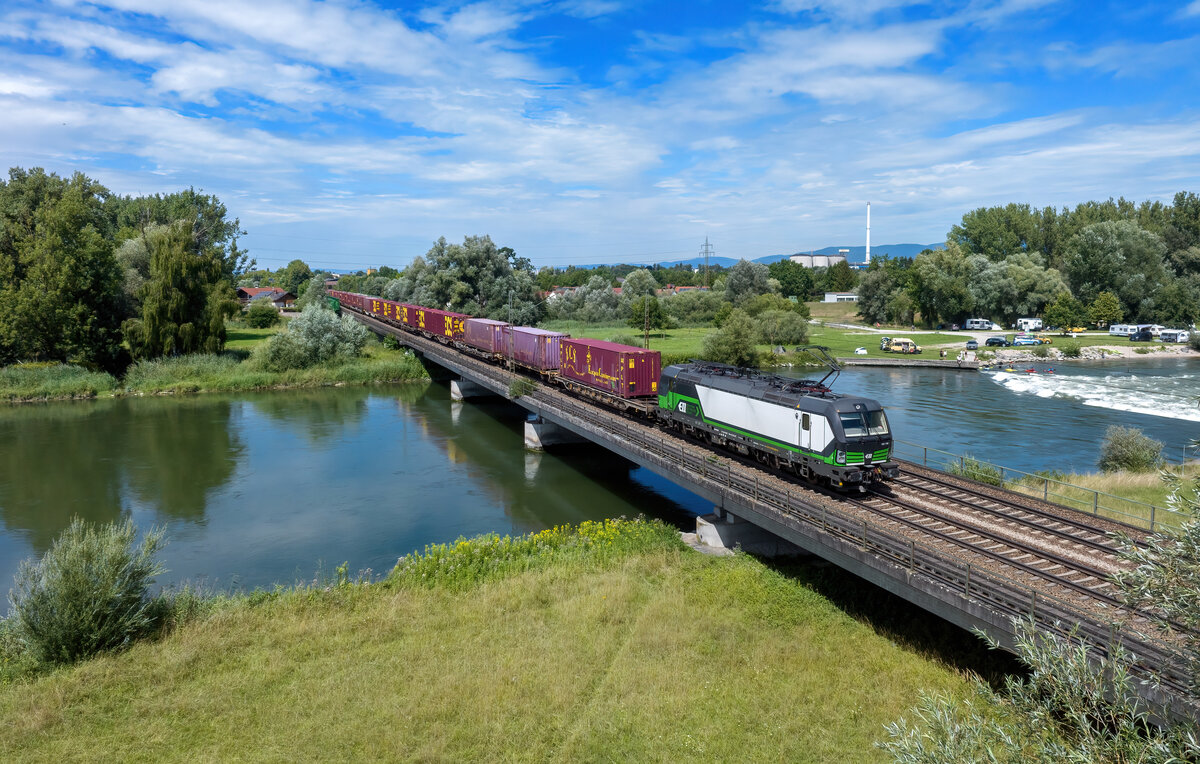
<point x="88" y="593"/>
<point x="24" y="381"/>
<point x="262" y="314"/>
<point x="734" y="342"/>
<point x="782" y="327"/>
<point x="1071" y="349"/>
<point x="1126" y="448"/>
<point x="1194" y="341"/>
<point x="625" y="339"/>
<point x="315" y="336"/>
<point x="1041" y="351"/>
<point x="519" y="387"/>
<point x="971" y="468"/>
<point x="390" y="342"/>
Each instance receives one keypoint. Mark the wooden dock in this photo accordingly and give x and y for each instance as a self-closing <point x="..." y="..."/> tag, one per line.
<point x="910" y="361"/>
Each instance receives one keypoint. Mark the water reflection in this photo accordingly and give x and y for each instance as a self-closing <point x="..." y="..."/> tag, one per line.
<point x="94" y="459"/>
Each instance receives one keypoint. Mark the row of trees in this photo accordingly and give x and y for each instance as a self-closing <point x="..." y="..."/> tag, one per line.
<point x="83" y="270"/>
<point x="1102" y="262"/>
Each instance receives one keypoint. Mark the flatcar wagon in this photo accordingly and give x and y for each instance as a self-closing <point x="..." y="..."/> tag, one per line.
<point x="795" y="425"/>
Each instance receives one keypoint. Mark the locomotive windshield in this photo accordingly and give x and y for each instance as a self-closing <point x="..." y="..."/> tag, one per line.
<point x="860" y="424"/>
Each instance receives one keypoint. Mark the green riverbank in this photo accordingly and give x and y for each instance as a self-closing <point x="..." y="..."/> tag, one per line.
<point x="611" y="642"/>
<point x="235" y="370"/>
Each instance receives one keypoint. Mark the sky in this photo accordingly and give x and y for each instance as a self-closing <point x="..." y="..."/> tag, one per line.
<point x="349" y="134"/>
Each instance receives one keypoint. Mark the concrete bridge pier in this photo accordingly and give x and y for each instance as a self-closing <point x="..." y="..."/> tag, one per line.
<point x="462" y="389"/>
<point x="721" y="530"/>
<point x="539" y="433"/>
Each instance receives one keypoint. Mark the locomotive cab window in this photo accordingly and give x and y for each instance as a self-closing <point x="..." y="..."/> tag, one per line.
<point x="860" y="424"/>
<point x="806" y="422"/>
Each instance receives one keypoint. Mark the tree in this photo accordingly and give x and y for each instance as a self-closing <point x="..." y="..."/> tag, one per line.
<point x="61" y="287"/>
<point x="215" y="234"/>
<point x="694" y="307"/>
<point x="1105" y="309"/>
<point x="1121" y="258"/>
<point x="295" y="274"/>
<point x="794" y="279"/>
<point x="475" y="277"/>
<point x="745" y="281"/>
<point x="1178" y="302"/>
<point x="186" y="300"/>
<point x="1065" y="312"/>
<point x="840" y="277"/>
<point x="940" y="284"/>
<point x="646" y="312"/>
<point x="782" y="327"/>
<point x="998" y="232"/>
<point x="734" y="342"/>
<point x="314" y="293"/>
<point x="639" y="283"/>
<point x="261" y="314"/>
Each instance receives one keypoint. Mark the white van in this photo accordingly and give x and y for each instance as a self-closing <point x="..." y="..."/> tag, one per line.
<point x="1174" y="335"/>
<point x="1122" y="330"/>
<point x="978" y="323"/>
<point x="1029" y="324"/>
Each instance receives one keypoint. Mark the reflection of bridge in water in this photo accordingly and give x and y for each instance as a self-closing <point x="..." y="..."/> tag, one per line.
<point x="974" y="555"/>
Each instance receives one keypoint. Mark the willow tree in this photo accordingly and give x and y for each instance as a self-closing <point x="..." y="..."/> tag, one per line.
<point x="184" y="301"/>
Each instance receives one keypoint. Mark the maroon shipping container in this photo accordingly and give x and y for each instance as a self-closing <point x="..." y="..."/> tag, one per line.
<point x="535" y="348"/>
<point x="440" y="323"/>
<point x="624" y="371"/>
<point x="485" y="334"/>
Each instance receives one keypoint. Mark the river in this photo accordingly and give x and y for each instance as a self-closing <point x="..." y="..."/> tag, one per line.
<point x="269" y="488"/>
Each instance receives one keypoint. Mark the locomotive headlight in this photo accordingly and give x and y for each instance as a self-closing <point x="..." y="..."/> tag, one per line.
<point x="841" y="457"/>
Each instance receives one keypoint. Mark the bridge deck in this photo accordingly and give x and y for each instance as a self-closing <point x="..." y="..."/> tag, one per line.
<point x="963" y="587"/>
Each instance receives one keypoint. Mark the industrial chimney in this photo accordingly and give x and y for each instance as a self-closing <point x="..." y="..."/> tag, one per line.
<point x="868" y="260"/>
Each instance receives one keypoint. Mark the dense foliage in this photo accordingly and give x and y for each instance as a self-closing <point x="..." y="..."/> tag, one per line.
<point x="476" y="277"/>
<point x="77" y="262"/>
<point x="88" y="593"/>
<point x="313" y="337"/>
<point x="734" y="342"/>
<point x="261" y="314"/>
<point x="1118" y="260"/>
<point x="1128" y="449"/>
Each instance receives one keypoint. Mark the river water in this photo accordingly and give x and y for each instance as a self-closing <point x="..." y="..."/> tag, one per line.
<point x="269" y="488"/>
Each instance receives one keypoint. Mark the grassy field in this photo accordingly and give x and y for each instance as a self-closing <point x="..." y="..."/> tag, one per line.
<point x="243" y="338"/>
<point x="1128" y="492"/>
<point x="613" y="644"/>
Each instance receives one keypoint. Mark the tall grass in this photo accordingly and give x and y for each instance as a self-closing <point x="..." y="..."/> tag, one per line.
<point x="609" y="643"/>
<point x="974" y="469"/>
<point x="40" y="381"/>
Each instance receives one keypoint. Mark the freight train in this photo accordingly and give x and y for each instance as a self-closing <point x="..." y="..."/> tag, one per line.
<point x="799" y="426"/>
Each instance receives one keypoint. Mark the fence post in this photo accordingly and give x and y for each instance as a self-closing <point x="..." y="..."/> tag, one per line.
<point x="1095" y="502"/>
<point x="1152" y="508"/>
<point x="968" y="591"/>
<point x="1046" y="490"/>
<point x="912" y="556"/>
<point x="925" y="456"/>
<point x="962" y="464"/>
<point x="1032" y="602"/>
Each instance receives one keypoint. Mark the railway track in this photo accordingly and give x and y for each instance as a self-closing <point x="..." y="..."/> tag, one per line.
<point x="1015" y="557"/>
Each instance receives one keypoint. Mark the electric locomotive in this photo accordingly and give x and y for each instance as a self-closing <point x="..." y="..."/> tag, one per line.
<point x="791" y="424"/>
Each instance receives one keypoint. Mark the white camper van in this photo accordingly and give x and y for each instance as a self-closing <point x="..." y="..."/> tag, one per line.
<point x="978" y="323"/>
<point x="1029" y="324"/>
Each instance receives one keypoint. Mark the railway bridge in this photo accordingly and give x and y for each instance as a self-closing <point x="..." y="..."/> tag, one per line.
<point x="975" y="555"/>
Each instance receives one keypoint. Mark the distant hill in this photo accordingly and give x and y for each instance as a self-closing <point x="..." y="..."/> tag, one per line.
<point x="856" y="255"/>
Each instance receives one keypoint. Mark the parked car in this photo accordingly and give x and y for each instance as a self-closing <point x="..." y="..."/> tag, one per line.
<point x="996" y="342"/>
<point x="1142" y="336"/>
<point x="1025" y="339"/>
<point x="860" y="351"/>
<point x="1043" y="339"/>
<point x="972" y="345"/>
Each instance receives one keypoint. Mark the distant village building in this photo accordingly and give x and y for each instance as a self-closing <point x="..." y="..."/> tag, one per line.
<point x="817" y="261"/>
<point x="840" y="297"/>
<point x="280" y="298"/>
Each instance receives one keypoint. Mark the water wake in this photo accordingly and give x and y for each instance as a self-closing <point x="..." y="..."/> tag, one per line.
<point x="1172" y="397"/>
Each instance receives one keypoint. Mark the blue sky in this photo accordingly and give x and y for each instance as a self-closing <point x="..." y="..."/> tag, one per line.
<point x="580" y="131"/>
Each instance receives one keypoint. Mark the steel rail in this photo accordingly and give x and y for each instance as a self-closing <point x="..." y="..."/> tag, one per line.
<point x="1006" y="597"/>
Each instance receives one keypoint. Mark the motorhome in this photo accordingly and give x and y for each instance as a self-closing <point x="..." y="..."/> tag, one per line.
<point x="1174" y="335"/>
<point x="1122" y="330"/>
<point x="1029" y="324"/>
<point x="978" y="323"/>
<point x="903" y="345"/>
